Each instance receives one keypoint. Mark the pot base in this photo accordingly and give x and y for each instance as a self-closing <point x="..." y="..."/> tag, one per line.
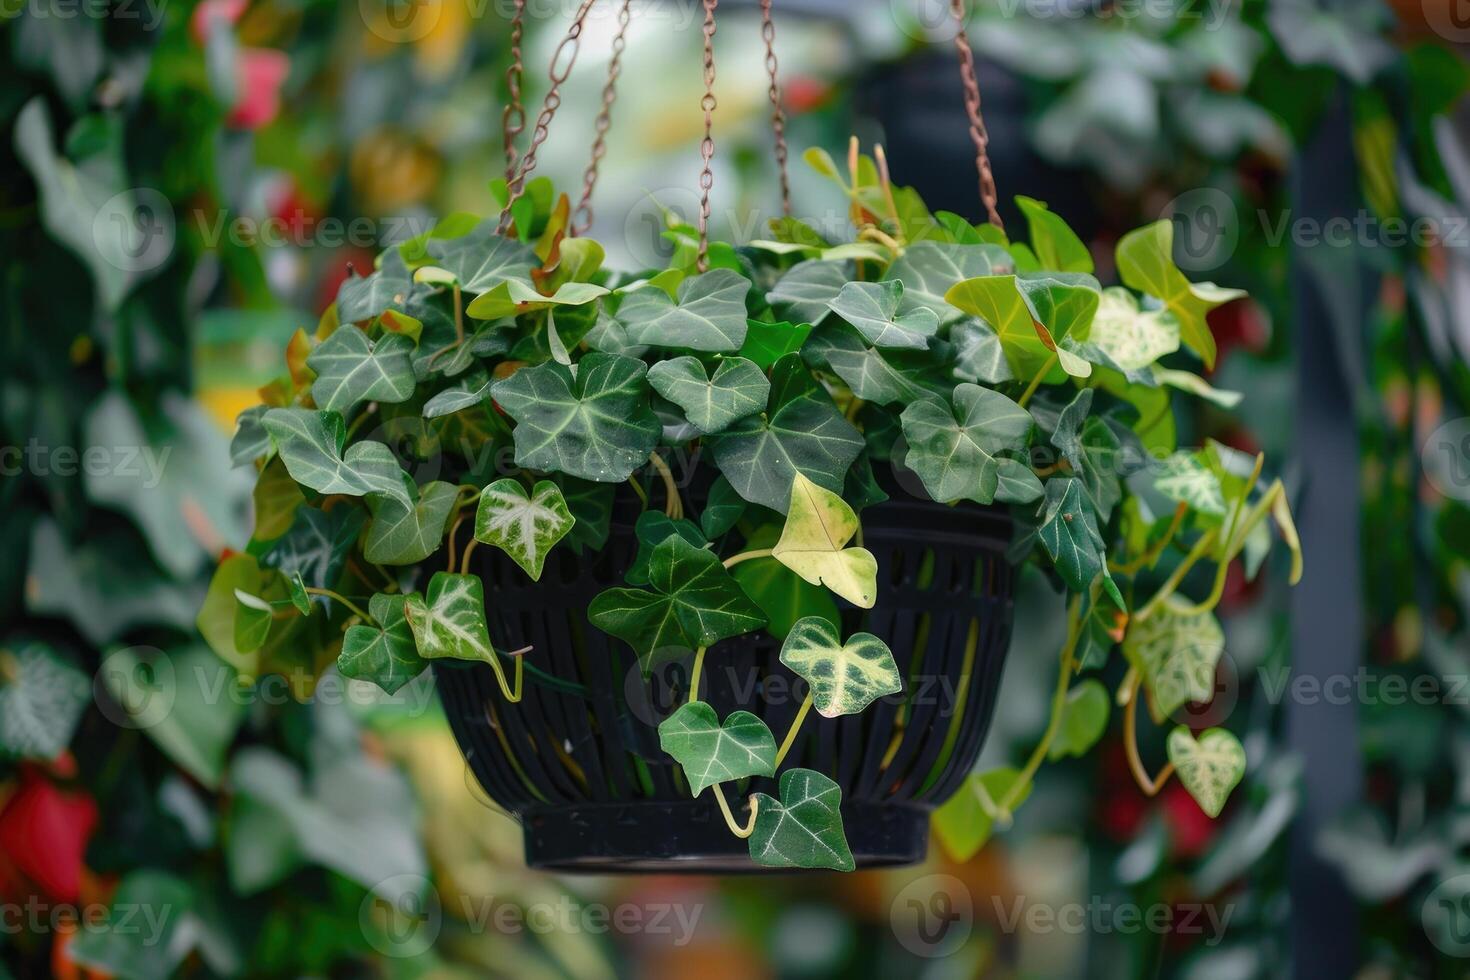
<point x="690" y="837"/>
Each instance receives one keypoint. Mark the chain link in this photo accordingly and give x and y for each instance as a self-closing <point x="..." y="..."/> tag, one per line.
<point x="778" y="115"/>
<point x="978" y="135"/>
<point x="707" y="145"/>
<point x="513" y="119"/>
<point x="562" y="60"/>
<point x="582" y="217"/>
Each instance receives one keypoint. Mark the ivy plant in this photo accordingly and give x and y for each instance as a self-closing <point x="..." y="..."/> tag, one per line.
<point x="506" y="384"/>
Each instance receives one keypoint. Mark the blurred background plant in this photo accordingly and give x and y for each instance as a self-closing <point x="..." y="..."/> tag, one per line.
<point x="187" y="185"/>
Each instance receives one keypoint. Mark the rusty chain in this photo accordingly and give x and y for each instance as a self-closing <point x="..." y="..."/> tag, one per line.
<point x="978" y="135"/>
<point x="582" y="217"/>
<point x="513" y="119"/>
<point x="778" y="116"/>
<point x="707" y="145"/>
<point x="562" y="60"/>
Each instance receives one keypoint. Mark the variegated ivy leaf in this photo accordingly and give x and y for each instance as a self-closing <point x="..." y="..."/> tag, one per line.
<point x="872" y="309"/>
<point x="955" y="449"/>
<point x="406" y="534"/>
<point x="524" y="526"/>
<point x="738" y="388"/>
<point x="351" y="369"/>
<point x="1070" y="535"/>
<point x="253" y="619"/>
<point x="803" y="829"/>
<point x="1209" y="767"/>
<point x="483" y="259"/>
<point x="1146" y="263"/>
<point x="1195" y="385"/>
<point x="383" y="654"/>
<point x="41" y="700"/>
<point x="711" y="752"/>
<point x="516" y="296"/>
<point x="845" y="677"/>
<point x="709" y="314"/>
<point x="802" y="294"/>
<point x="310" y="444"/>
<point x="364" y="297"/>
<point x="800" y="431"/>
<point x="929" y="270"/>
<point x="1132" y="338"/>
<point x="1177" y="652"/>
<point x="596" y="425"/>
<point x="450" y="620"/>
<point x="813" y="544"/>
<point x="691" y="602"/>
<point x="1185" y="478"/>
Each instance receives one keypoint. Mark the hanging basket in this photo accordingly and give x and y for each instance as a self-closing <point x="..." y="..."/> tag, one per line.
<point x="579" y="764"/>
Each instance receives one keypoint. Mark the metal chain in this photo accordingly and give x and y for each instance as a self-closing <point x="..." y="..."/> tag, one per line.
<point x="582" y="217"/>
<point x="513" y="119"/>
<point x="778" y="116"/>
<point x="707" y="145"/>
<point x="978" y="136"/>
<point x="562" y="60"/>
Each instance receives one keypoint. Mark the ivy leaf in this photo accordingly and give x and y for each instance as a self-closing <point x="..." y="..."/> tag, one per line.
<point x="711" y="752"/>
<point x="1146" y="263"/>
<point x="1070" y="535"/>
<point x="351" y="369"/>
<point x="1177" y="653"/>
<point x="1131" y="337"/>
<point x="276" y="497"/>
<point x="845" y="677"/>
<point x="384" y="654"/>
<point x="596" y="425"/>
<point x="1209" y="767"/>
<point x="483" y="259"/>
<point x="929" y="270"/>
<point x="722" y="510"/>
<point x="1015" y="483"/>
<point x="802" y="295"/>
<point x="310" y="444"/>
<point x="470" y="391"/>
<point x="872" y="308"/>
<point x="819" y="523"/>
<point x="801" y="431"/>
<point x="963" y="824"/>
<point x="364" y="297"/>
<point x="250" y="441"/>
<point x="406" y="534"/>
<point x="1067" y="437"/>
<point x="1084" y="719"/>
<point x="316" y="546"/>
<point x="691" y="602"/>
<point x="998" y="301"/>
<point x="955" y="450"/>
<point x="42" y="697"/>
<point x="1185" y="478"/>
<point x="1056" y="245"/>
<point x="783" y="596"/>
<point x="524" y="526"/>
<point x="1064" y="305"/>
<point x="652" y="528"/>
<point x="979" y="355"/>
<point x="709" y="314"/>
<point x="516" y="296"/>
<point x="766" y="343"/>
<point x="738" y="388"/>
<point x="803" y="829"/>
<point x="450" y="620"/>
<point x="881" y="377"/>
<point x="591" y="506"/>
<point x="253" y="620"/>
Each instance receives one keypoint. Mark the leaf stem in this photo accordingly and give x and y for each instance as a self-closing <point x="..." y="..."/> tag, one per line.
<point x="694" y="676"/>
<point x="513" y="695"/>
<point x="1036" y="381"/>
<point x="1058" y="706"/>
<point x="1201" y="546"/>
<point x="734" y="560"/>
<point x="674" y="505"/>
<point x="458" y="317"/>
<point x="311" y="590"/>
<point x="735" y="828"/>
<point x="1150" y="787"/>
<point x="469" y="549"/>
<point x="790" y="738"/>
<point x="1151" y="555"/>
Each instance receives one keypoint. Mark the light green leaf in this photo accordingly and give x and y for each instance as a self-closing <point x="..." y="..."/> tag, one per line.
<point x="709" y="314"/>
<point x="766" y="343"/>
<point x="955" y="450"/>
<point x="845" y="677"/>
<point x="1197" y="386"/>
<point x="1209" y="767"/>
<point x="42" y="697"/>
<point x="802" y="294"/>
<point x="1132" y="337"/>
<point x="998" y="301"/>
<point x="800" y="431"/>
<point x="964" y="823"/>
<point x="1146" y="263"/>
<point x="813" y="544"/>
<point x="450" y="620"/>
<point x="516" y="296"/>
<point x="483" y="259"/>
<point x="1185" y="478"/>
<point x="803" y="829"/>
<point x="1084" y="719"/>
<point x="929" y="270"/>
<point x="383" y="654"/>
<point x="310" y="444"/>
<point x="253" y="619"/>
<point x="403" y="534"/>
<point x="1064" y="304"/>
<point x="597" y="425"/>
<point x="524" y="526"/>
<point x="1056" y="245"/>
<point x="872" y="308"/>
<point x="737" y="389"/>
<point x="711" y="752"/>
<point x="351" y="369"/>
<point x="1176" y="652"/>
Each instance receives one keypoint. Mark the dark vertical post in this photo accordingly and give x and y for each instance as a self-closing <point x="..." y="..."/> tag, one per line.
<point x="1327" y="611"/>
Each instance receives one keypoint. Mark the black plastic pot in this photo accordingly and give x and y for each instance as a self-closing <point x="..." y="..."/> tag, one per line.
<point x="578" y="760"/>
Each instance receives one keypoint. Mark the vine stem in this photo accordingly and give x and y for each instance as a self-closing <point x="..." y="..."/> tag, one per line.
<point x="1149" y="786"/>
<point x="1036" y="381"/>
<point x="735" y="828"/>
<point x="1206" y="541"/>
<point x="1058" y="704"/>
<point x="464" y="559"/>
<point x="1228" y="551"/>
<point x="312" y="590"/>
<point x="1151" y="556"/>
<point x="674" y="507"/>
<point x="695" y="675"/>
<point x="734" y="560"/>
<point x="790" y="738"/>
